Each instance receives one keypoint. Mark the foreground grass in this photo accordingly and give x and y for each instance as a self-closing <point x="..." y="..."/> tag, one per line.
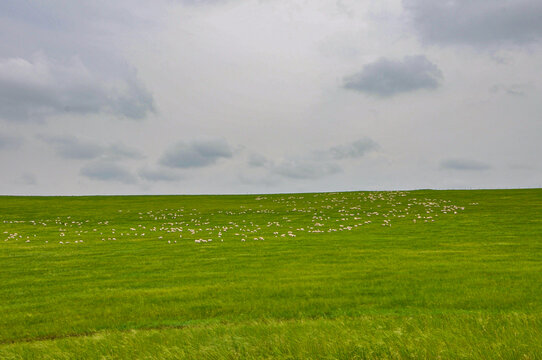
<point x="458" y="274"/>
<point x="367" y="337"/>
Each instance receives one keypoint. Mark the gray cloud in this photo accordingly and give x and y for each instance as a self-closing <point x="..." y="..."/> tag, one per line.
<point x="521" y="166"/>
<point x="41" y="87"/>
<point x="71" y="147"/>
<point x="119" y="151"/>
<point x="107" y="171"/>
<point x="302" y="169"/>
<point x="386" y="78"/>
<point x="196" y="154"/>
<point x="464" y="164"/>
<point x="477" y="22"/>
<point x="28" y="179"/>
<point x="511" y="89"/>
<point x="355" y="149"/>
<point x="257" y="160"/>
<point x="155" y="175"/>
<point x="201" y="2"/>
<point x="320" y="163"/>
<point x="266" y="180"/>
<point x="9" y="142"/>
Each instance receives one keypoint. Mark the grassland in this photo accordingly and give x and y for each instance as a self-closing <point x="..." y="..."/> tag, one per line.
<point x="366" y="275"/>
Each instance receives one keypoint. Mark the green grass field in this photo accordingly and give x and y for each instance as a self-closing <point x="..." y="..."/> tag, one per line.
<point x="358" y="275"/>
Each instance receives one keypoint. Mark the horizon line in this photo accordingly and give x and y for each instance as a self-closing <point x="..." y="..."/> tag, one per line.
<point x="276" y="193"/>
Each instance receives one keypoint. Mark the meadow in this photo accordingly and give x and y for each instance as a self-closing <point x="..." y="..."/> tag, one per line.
<point x="354" y="275"/>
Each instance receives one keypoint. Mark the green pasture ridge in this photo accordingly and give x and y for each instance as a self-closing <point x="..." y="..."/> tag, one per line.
<point x="356" y="275"/>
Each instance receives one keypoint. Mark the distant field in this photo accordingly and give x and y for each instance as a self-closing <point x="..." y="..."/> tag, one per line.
<point x="357" y="275"/>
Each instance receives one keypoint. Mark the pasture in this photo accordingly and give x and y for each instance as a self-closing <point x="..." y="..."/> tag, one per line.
<point x="355" y="275"/>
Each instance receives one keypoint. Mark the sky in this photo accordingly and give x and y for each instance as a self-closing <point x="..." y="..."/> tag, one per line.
<point x="269" y="96"/>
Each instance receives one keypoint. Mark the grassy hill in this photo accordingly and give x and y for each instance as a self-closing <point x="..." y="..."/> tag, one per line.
<point x="368" y="275"/>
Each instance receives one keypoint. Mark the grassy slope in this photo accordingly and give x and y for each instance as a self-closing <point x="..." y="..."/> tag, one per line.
<point x="464" y="284"/>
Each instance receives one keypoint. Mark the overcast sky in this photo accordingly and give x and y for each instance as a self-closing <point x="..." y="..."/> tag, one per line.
<point x="265" y="96"/>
